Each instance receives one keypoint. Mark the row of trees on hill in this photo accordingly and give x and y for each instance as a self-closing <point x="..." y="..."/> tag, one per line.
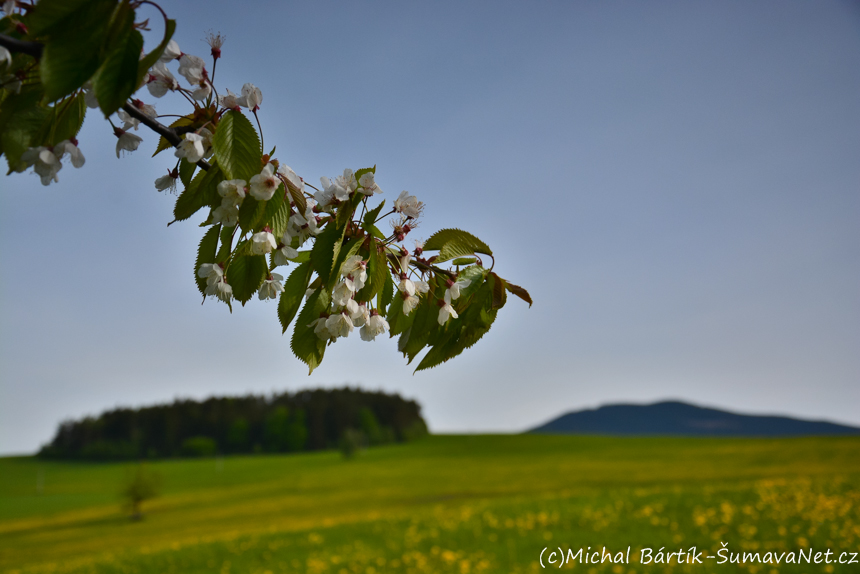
<point x="306" y="420"/>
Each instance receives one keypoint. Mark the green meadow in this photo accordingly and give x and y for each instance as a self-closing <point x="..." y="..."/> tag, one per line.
<point x="459" y="504"/>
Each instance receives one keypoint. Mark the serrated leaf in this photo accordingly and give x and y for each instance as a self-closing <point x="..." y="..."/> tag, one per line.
<point x="150" y="59"/>
<point x="117" y="78"/>
<point x="163" y="144"/>
<point x="202" y="191"/>
<point x="453" y="243"/>
<point x="226" y="244"/>
<point x="461" y="333"/>
<point x="519" y="292"/>
<point x="375" y="232"/>
<point x="293" y="293"/>
<point x="325" y="251"/>
<point x="77" y="31"/>
<point x="463" y="261"/>
<point x="245" y="274"/>
<point x="424" y="326"/>
<point x="280" y="219"/>
<point x="384" y="297"/>
<point x="237" y="146"/>
<point x="299" y="199"/>
<point x="23" y="130"/>
<point x="250" y="213"/>
<point x="306" y="346"/>
<point x="302" y="257"/>
<point x="70" y="118"/>
<point x="206" y="254"/>
<point x="370" y="216"/>
<point x="271" y="207"/>
<point x="186" y="171"/>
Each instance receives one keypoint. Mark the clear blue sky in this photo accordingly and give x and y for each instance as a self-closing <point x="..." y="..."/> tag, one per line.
<point x="676" y="183"/>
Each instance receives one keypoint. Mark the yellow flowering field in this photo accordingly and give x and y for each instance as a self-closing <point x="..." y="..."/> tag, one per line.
<point x="463" y="504"/>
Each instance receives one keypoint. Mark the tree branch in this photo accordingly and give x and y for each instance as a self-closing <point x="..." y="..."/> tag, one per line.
<point x="167" y="133"/>
<point x="14" y="45"/>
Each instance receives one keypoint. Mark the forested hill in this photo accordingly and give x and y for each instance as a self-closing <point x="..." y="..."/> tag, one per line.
<point x="682" y="419"/>
<point x="306" y="420"/>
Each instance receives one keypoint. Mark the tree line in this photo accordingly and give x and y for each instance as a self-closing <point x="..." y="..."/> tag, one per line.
<point x="289" y="422"/>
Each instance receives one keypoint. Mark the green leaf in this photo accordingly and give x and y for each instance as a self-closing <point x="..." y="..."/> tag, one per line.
<point x="461" y="333"/>
<point x="270" y="209"/>
<point x="186" y="171"/>
<point x="202" y="191"/>
<point x="24" y="130"/>
<point x="463" y="261"/>
<point x="237" y="146"/>
<point x="150" y="59"/>
<point x="70" y="119"/>
<point x="453" y="243"/>
<point x="375" y="232"/>
<point x="280" y="219"/>
<point x="363" y="171"/>
<point x="226" y="244"/>
<point x="370" y="216"/>
<point x="117" y="78"/>
<point x="307" y="347"/>
<point x="293" y="293"/>
<point x="74" y="48"/>
<point x="250" y="213"/>
<point x="206" y="254"/>
<point x="325" y="251"/>
<point x="245" y="274"/>
<point x="424" y="326"/>
<point x="384" y="297"/>
<point x="163" y="144"/>
<point x="397" y="321"/>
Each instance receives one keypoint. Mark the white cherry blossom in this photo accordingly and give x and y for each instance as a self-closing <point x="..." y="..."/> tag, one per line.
<point x="376" y="325"/>
<point x="71" y="148"/>
<point x="129" y="122"/>
<point x="453" y="290"/>
<point x="409" y="303"/>
<point x="191" y="68"/>
<point x="356" y="267"/>
<point x="286" y="172"/>
<point x="167" y="182"/>
<point x="160" y="81"/>
<point x="358" y="313"/>
<point x="422" y="287"/>
<point x="171" y="52"/>
<point x="126" y="141"/>
<point x="9" y="6"/>
<point x="264" y="184"/>
<point x="232" y="190"/>
<point x="263" y="243"/>
<point x="229" y="101"/>
<point x="44" y="163"/>
<point x="212" y="272"/>
<point x="251" y="98"/>
<point x="368" y="184"/>
<point x="445" y="311"/>
<point x="339" y="325"/>
<point x="271" y="287"/>
<point x="283" y="255"/>
<point x="341" y="294"/>
<point x="191" y="148"/>
<point x="406" y="286"/>
<point x="408" y="205"/>
<point x="320" y="329"/>
<point x="5" y="56"/>
<point x="226" y="214"/>
<point x="203" y="91"/>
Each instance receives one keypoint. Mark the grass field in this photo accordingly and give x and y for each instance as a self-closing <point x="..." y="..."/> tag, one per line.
<point x="461" y="504"/>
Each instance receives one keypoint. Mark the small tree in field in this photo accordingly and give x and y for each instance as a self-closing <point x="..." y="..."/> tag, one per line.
<point x="349" y="263"/>
<point x="142" y="485"/>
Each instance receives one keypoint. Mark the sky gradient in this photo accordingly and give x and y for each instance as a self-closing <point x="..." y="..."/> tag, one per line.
<point x="677" y="184"/>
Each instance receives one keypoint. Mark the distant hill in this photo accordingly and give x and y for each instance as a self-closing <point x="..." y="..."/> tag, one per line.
<point x="682" y="419"/>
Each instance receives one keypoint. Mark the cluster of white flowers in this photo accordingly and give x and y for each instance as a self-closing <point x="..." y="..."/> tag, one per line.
<point x="46" y="162"/>
<point x="216" y="282"/>
<point x="340" y="188"/>
<point x="346" y="312"/>
<point x="232" y="192"/>
<point x="251" y="98"/>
